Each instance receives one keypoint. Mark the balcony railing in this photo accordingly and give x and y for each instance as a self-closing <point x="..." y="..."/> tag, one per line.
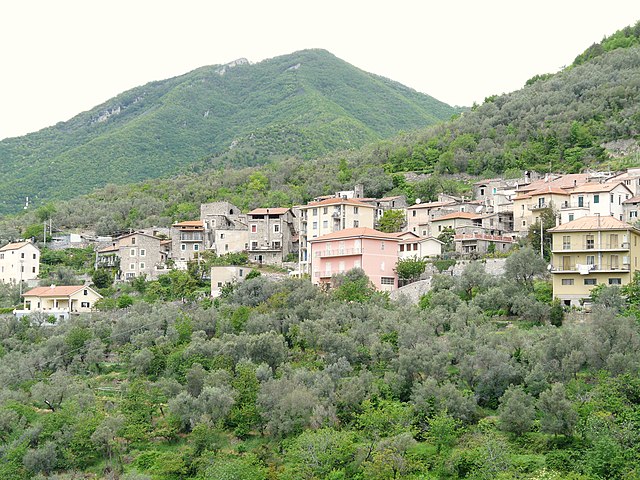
<point x="191" y="237"/>
<point x="573" y="205"/>
<point x="538" y="206"/>
<point x="592" y="246"/>
<point x="337" y="253"/>
<point x="582" y="268"/>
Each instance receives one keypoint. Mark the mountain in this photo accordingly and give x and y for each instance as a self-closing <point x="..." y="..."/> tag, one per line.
<point x="557" y="122"/>
<point x="304" y="104"/>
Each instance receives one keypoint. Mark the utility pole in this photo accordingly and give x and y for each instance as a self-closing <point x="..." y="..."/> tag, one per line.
<point x="44" y="239"/>
<point x="541" y="238"/>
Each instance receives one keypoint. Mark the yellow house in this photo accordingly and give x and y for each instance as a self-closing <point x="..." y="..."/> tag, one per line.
<point x="592" y="251"/>
<point x="59" y="301"/>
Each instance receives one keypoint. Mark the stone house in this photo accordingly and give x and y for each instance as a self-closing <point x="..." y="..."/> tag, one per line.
<point x="271" y="232"/>
<point x="134" y="255"/>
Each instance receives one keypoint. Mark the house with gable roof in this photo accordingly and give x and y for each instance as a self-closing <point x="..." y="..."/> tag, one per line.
<point x="59" y="301"/>
<point x="19" y="261"/>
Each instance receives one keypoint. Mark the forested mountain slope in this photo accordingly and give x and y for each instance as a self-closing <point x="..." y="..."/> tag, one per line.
<point x="307" y="104"/>
<point x="556" y="122"/>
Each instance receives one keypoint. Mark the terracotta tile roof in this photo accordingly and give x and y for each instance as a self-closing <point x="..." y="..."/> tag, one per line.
<point x="549" y="189"/>
<point x="356" y="232"/>
<point x="14" y="246"/>
<point x="386" y="199"/>
<point x="564" y="181"/>
<point x="430" y="205"/>
<point x="635" y="199"/>
<point x="269" y="211"/>
<point x="54" y="291"/>
<point x="338" y="201"/>
<point x="111" y="248"/>
<point x="190" y="223"/>
<point x="597" y="187"/>
<point x="592" y="223"/>
<point x="465" y="215"/>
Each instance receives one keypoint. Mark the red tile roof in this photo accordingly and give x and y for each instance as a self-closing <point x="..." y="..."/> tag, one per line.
<point x="14" y="246"/>
<point x="54" y="291"/>
<point x="465" y="215"/>
<point x="430" y="205"/>
<point x="592" y="223"/>
<point x="190" y="223"/>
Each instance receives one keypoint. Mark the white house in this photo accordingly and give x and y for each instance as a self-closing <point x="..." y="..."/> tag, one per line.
<point x="19" y="261"/>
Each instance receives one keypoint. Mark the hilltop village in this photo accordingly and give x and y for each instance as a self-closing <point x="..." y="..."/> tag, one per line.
<point x="593" y="239"/>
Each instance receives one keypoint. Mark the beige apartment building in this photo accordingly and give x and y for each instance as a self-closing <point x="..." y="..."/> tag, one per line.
<point x="328" y="216"/>
<point x="591" y="251"/>
<point x="19" y="261"/>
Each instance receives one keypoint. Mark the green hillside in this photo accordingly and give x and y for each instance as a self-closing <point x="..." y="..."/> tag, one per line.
<point x="307" y="104"/>
<point x="556" y="122"/>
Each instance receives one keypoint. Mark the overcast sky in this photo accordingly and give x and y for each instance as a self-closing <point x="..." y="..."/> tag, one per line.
<point x="62" y="57"/>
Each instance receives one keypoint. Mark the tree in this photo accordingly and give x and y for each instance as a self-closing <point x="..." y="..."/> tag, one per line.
<point x="353" y="286"/>
<point x="558" y="416"/>
<point x="446" y="237"/>
<point x="548" y="217"/>
<point x="443" y="430"/>
<point x="391" y="221"/>
<point x="523" y="266"/>
<point x="410" y="268"/>
<point x="516" y="411"/>
<point x="102" y="278"/>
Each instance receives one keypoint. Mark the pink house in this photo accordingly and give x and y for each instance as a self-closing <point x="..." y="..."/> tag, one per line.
<point x="373" y="251"/>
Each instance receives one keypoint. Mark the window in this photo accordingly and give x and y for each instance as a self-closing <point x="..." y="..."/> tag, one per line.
<point x="141" y="265"/>
<point x="22" y="268"/>
<point x="254" y="228"/>
<point x="276" y="228"/>
<point x="221" y="236"/>
<point x="571" y="217"/>
<point x="424" y="233"/>
<point x="355" y="210"/>
<point x="356" y="224"/>
<point x="132" y="266"/>
<point x="325" y="210"/>
<point x="325" y="224"/>
<point x="567" y="281"/>
<point x="132" y="252"/>
<point x="130" y="275"/>
<point x="596" y="199"/>
<point x="315" y="225"/>
<point x="226" y="247"/>
<point x="254" y="245"/>
<point x="590" y="242"/>
<point x="196" y="247"/>
<point x="591" y="259"/>
<point x="1" y="256"/>
<point x="22" y="255"/>
<point x="401" y="248"/>
<point x="615" y="281"/>
<point x="275" y="245"/>
<point x="133" y="240"/>
<point x="615" y="262"/>
<point x="524" y="223"/>
<point x="33" y="269"/>
<point x="241" y="272"/>
<point x="413" y="213"/>
<point x="34" y="256"/>
<point x="566" y="242"/>
<point x="611" y="198"/>
<point x="633" y="214"/>
<point x="387" y="281"/>
<point x="482" y="191"/>
<point x="143" y="252"/>
<point x="382" y="266"/>
<point x="85" y="304"/>
<point x="590" y="281"/>
<point x="183" y="246"/>
<point x="613" y="241"/>
<point x="219" y="284"/>
<point x="315" y="212"/>
<point x="381" y="245"/>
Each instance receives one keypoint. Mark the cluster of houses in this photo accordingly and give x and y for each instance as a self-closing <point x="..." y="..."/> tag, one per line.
<point x="594" y="240"/>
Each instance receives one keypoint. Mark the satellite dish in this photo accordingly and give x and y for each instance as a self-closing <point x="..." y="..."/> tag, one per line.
<point x="418" y="201"/>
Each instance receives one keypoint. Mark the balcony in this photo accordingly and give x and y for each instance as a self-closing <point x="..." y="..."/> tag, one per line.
<point x="574" y="205"/>
<point x="338" y="253"/>
<point x="586" y="269"/>
<point x="539" y="206"/>
<point x="328" y="273"/>
<point x="592" y="247"/>
<point x="191" y="237"/>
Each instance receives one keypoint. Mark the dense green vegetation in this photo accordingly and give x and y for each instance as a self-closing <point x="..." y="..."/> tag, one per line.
<point x="280" y="380"/>
<point x="306" y="104"/>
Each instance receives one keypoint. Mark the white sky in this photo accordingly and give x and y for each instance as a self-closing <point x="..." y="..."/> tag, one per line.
<point x="62" y="57"/>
